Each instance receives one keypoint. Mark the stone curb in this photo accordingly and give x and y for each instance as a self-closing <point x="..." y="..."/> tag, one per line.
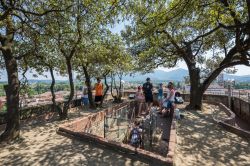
<point x="229" y="123"/>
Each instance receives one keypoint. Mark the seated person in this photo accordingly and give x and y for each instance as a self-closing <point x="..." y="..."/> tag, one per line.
<point x="135" y="135"/>
<point x="178" y="99"/>
<point x="168" y="102"/>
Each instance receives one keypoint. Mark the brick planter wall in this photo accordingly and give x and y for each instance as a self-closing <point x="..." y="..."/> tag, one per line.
<point x="76" y="129"/>
<point x="240" y="107"/>
<point x="229" y="123"/>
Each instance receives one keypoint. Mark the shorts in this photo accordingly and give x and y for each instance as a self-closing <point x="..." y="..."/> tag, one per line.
<point x="85" y="101"/>
<point x="149" y="98"/>
<point x="98" y="98"/>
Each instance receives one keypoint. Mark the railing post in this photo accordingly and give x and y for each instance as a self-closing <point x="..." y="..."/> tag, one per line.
<point x="248" y="97"/>
<point x="248" y="102"/>
<point x="229" y="96"/>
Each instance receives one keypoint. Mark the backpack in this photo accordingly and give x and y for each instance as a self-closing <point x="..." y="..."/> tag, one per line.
<point x="179" y="100"/>
<point x="147" y="88"/>
<point x="135" y="137"/>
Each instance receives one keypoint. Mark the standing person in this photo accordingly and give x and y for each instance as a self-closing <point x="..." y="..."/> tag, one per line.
<point x="147" y="89"/>
<point x="140" y="99"/>
<point x="85" y="98"/>
<point x="160" y="94"/>
<point x="168" y="102"/>
<point x="98" y="91"/>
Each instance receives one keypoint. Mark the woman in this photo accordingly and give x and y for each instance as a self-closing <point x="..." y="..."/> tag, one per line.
<point x="168" y="102"/>
<point x="139" y="96"/>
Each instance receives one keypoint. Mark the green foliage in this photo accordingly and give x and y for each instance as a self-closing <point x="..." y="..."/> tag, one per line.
<point x="242" y="85"/>
<point x="162" y="32"/>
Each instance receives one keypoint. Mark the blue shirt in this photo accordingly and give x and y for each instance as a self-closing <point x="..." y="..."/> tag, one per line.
<point x="160" y="92"/>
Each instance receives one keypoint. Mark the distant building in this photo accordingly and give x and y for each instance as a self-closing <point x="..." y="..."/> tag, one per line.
<point x="214" y="88"/>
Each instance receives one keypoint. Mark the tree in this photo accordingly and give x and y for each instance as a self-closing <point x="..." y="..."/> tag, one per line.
<point x="15" y="15"/>
<point x="103" y="56"/>
<point x="45" y="58"/>
<point x="191" y="30"/>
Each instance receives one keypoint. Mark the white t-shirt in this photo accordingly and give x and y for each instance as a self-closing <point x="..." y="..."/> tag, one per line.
<point x="168" y="94"/>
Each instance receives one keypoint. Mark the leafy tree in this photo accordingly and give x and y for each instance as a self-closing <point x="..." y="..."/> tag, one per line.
<point x="15" y="15"/>
<point x="45" y="58"/>
<point x="100" y="58"/>
<point x="191" y="30"/>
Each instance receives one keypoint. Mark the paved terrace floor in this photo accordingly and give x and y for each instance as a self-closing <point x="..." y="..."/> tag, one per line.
<point x="40" y="145"/>
<point x="201" y="142"/>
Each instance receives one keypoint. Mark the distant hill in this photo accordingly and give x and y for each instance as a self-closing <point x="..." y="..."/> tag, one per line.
<point x="177" y="75"/>
<point x="157" y="75"/>
<point x="245" y="78"/>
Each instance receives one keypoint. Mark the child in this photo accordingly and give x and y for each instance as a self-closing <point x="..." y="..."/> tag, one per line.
<point x="135" y="135"/>
<point x="160" y="95"/>
<point x="85" y="98"/>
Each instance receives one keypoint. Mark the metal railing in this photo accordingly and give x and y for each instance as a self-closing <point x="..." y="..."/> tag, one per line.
<point x="241" y="94"/>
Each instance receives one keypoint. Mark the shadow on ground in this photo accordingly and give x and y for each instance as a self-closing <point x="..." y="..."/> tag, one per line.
<point x="202" y="142"/>
<point x="40" y="145"/>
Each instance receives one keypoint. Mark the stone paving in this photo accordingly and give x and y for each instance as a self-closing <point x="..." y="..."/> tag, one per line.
<point x="200" y="141"/>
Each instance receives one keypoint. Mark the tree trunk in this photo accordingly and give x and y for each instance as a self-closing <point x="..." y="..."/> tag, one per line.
<point x="196" y="91"/>
<point x="52" y="90"/>
<point x="66" y="106"/>
<point x="12" y="129"/>
<point x="88" y="84"/>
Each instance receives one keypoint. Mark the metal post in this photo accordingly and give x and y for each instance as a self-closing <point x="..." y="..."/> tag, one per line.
<point x="229" y="95"/>
<point x="249" y="102"/>
<point x="248" y="98"/>
<point x="104" y="126"/>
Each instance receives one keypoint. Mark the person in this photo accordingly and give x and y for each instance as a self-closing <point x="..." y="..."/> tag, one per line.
<point x="98" y="91"/>
<point x="147" y="89"/>
<point x="178" y="99"/>
<point x="85" y="98"/>
<point x="160" y="94"/>
<point x="135" y="135"/>
<point x="168" y="102"/>
<point x="139" y="97"/>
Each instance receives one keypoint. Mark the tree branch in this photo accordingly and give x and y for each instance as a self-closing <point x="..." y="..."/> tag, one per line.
<point x="205" y="34"/>
<point x="217" y="71"/>
<point x="43" y="13"/>
<point x="197" y="52"/>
